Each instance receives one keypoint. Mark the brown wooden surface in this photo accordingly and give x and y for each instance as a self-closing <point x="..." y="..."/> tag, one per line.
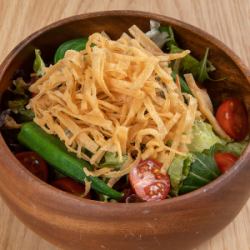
<point x="227" y="20"/>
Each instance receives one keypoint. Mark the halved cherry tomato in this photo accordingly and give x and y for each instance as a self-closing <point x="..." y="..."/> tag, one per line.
<point x="34" y="163"/>
<point x="225" y="161"/>
<point x="69" y="185"/>
<point x="232" y="117"/>
<point x="148" y="182"/>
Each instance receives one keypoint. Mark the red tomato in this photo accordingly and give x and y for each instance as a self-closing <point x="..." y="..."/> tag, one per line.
<point x="225" y="161"/>
<point x="148" y="182"/>
<point x="233" y="118"/>
<point x="69" y="185"/>
<point x="34" y="163"/>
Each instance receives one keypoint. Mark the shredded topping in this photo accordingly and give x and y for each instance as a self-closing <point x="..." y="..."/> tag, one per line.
<point x="205" y="105"/>
<point x="116" y="96"/>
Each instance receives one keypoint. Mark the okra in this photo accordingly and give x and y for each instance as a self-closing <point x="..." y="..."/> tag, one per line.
<point x="51" y="149"/>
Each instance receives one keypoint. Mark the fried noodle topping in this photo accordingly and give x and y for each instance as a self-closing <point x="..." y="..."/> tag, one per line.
<point x="116" y="96"/>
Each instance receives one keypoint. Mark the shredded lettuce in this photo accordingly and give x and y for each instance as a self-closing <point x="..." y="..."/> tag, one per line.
<point x="111" y="160"/>
<point x="178" y="172"/>
<point x="203" y="137"/>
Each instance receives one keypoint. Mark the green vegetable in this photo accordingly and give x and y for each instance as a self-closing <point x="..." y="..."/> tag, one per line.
<point x="203" y="137"/>
<point x="203" y="71"/>
<point x="103" y="198"/>
<point x="26" y="115"/>
<point x="38" y="65"/>
<point x="184" y="86"/>
<point x="20" y="87"/>
<point x="112" y="160"/>
<point x="235" y="148"/>
<point x="193" y="172"/>
<point x="189" y="64"/>
<point x="51" y="149"/>
<point x="18" y="107"/>
<point x="170" y="38"/>
<point x="75" y="44"/>
<point x="202" y="171"/>
<point x="178" y="172"/>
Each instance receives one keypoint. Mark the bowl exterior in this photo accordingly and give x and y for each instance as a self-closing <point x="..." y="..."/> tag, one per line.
<point x="74" y="223"/>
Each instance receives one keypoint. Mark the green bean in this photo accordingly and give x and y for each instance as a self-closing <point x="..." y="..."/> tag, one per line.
<point x="51" y="149"/>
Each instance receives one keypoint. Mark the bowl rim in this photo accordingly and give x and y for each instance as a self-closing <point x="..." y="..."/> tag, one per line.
<point x="48" y="190"/>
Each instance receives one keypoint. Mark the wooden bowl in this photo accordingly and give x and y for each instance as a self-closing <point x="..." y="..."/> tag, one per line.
<point x="74" y="223"/>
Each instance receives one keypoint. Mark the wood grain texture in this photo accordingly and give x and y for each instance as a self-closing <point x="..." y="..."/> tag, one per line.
<point x="228" y="20"/>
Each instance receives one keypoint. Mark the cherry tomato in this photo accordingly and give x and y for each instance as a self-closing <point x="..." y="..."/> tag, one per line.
<point x="233" y="118"/>
<point x="148" y="182"/>
<point x="225" y="161"/>
<point x="69" y="185"/>
<point x="34" y="163"/>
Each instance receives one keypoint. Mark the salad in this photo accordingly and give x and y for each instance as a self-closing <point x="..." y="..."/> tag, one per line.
<point x="122" y="120"/>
